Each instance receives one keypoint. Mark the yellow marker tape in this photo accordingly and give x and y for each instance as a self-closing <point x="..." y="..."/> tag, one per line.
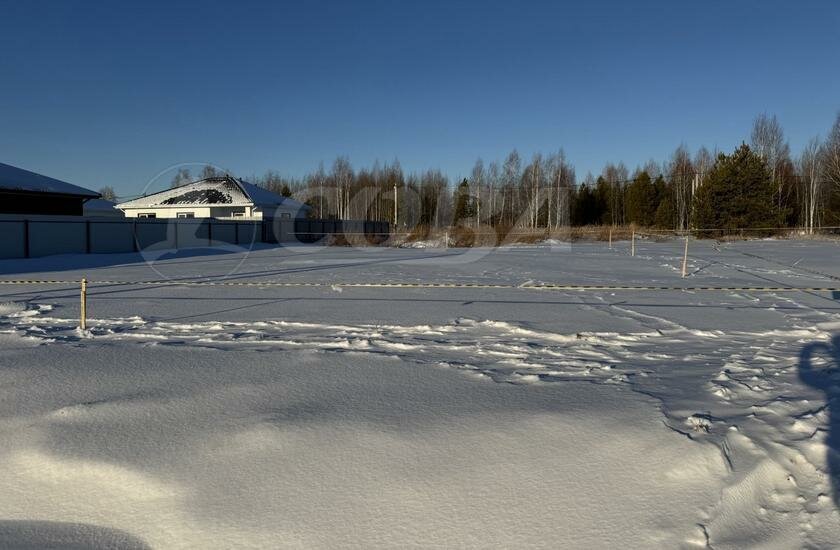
<point x="527" y="286"/>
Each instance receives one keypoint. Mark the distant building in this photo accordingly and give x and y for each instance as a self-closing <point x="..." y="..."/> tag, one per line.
<point x="101" y="208"/>
<point x="219" y="197"/>
<point x="25" y="192"/>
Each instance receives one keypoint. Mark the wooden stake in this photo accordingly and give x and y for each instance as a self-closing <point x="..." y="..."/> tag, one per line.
<point x="610" y="238"/>
<point x="633" y="244"/>
<point x="685" y="259"/>
<point x="83" y="308"/>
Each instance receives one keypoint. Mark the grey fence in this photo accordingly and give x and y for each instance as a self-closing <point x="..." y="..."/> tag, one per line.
<point x="47" y="235"/>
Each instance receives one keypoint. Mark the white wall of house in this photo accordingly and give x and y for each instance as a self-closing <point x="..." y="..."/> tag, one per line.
<point x="173" y="211"/>
<point x="221" y="212"/>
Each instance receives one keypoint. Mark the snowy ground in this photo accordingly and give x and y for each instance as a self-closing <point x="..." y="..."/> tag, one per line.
<point x="340" y="416"/>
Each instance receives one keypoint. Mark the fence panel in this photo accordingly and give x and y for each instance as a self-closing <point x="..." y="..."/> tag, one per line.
<point x="57" y="237"/>
<point x="248" y="233"/>
<point x="153" y="235"/>
<point x="191" y="233"/>
<point x="48" y="235"/>
<point x="12" y="239"/>
<point x="224" y="233"/>
<point x="111" y="237"/>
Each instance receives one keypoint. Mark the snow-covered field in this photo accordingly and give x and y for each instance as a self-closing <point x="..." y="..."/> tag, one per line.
<point x="345" y="416"/>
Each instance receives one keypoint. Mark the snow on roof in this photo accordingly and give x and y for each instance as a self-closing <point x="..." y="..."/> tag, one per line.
<point x="18" y="179"/>
<point x="226" y="190"/>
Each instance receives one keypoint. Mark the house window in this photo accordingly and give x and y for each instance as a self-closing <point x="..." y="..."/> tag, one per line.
<point x="285" y="216"/>
<point x="185" y="215"/>
<point x="147" y="215"/>
<point x="239" y="214"/>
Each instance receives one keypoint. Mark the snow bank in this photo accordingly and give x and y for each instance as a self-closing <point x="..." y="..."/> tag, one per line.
<point x="183" y="447"/>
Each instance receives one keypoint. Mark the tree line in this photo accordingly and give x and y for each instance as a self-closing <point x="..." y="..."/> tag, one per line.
<point x="760" y="184"/>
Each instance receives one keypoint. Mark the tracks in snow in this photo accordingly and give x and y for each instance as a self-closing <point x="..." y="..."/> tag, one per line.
<point x="739" y="390"/>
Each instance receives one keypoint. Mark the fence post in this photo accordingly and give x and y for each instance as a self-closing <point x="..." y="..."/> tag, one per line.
<point x="610" y="237"/>
<point x="685" y="259"/>
<point x="83" y="306"/>
<point x="446" y="239"/>
<point x="209" y="231"/>
<point x="633" y="244"/>
<point x="87" y="236"/>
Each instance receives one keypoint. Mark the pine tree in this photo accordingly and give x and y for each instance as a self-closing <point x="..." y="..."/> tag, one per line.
<point x="666" y="213"/>
<point x="737" y="193"/>
<point x="641" y="200"/>
<point x="463" y="206"/>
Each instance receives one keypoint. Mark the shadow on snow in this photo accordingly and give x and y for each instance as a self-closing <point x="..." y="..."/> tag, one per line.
<point x="819" y="367"/>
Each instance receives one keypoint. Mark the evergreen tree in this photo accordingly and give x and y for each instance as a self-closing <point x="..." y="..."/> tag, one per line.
<point x="463" y="203"/>
<point x="585" y="209"/>
<point x="666" y="214"/>
<point x="737" y="193"/>
<point x="602" y="196"/>
<point x="641" y="201"/>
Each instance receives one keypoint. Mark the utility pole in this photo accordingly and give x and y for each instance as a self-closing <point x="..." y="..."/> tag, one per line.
<point x="395" y="206"/>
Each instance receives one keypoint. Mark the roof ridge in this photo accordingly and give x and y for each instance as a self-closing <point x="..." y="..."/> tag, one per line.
<point x="238" y="182"/>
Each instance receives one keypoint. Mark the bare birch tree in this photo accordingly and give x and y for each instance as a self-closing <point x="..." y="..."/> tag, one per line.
<point x="681" y="175"/>
<point x="768" y="140"/>
<point x="494" y="178"/>
<point x="810" y="173"/>
<point x="342" y="176"/>
<point x="562" y="178"/>
<point x="831" y="155"/>
<point x="511" y="176"/>
<point x="477" y="181"/>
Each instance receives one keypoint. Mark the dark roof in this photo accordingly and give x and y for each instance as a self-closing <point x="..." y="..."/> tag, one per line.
<point x="20" y="180"/>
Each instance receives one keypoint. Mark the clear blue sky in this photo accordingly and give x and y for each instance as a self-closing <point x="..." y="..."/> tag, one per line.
<point x="110" y="93"/>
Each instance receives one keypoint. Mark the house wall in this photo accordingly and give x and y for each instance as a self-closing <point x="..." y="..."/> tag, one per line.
<point x="170" y="212"/>
<point x="229" y="211"/>
<point x="253" y="213"/>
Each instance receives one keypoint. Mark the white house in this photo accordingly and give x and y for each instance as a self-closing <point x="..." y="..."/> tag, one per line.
<point x="218" y="197"/>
